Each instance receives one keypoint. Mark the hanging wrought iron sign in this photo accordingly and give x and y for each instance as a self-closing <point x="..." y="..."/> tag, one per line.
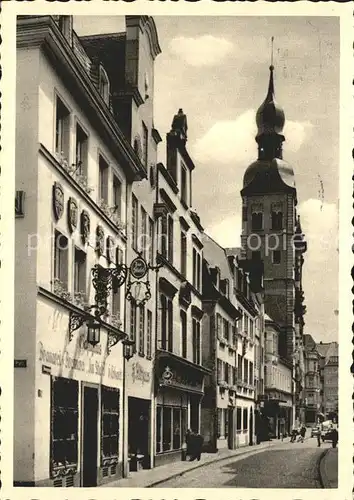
<point x="138" y="268"/>
<point x="103" y="279"/>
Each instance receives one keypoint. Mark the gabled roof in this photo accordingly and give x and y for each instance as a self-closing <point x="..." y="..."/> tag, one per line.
<point x="216" y="256"/>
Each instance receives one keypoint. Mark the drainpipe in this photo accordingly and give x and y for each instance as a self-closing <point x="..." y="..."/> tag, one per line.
<point x="125" y="400"/>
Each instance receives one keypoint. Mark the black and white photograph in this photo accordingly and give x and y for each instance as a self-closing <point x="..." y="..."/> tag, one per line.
<point x="177" y="255"/>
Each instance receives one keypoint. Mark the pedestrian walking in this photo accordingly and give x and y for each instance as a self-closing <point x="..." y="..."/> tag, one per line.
<point x="319" y="435"/>
<point x="334" y="437"/>
<point x="302" y="434"/>
<point x="197" y="445"/>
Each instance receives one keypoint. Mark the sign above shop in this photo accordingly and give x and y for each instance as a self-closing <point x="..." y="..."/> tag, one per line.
<point x="138" y="268"/>
<point x="181" y="378"/>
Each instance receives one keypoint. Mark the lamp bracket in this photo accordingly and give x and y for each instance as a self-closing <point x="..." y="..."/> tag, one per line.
<point x="113" y="339"/>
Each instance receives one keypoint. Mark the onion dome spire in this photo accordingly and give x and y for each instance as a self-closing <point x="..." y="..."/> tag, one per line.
<point x="270" y="120"/>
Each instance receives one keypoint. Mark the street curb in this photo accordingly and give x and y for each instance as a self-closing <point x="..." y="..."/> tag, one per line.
<point x="204" y="464"/>
<point x="321" y="469"/>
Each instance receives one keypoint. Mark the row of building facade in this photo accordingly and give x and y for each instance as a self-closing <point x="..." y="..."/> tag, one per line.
<point x="216" y="335"/>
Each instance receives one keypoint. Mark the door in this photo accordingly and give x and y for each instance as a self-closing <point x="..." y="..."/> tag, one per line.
<point x="89" y="436"/>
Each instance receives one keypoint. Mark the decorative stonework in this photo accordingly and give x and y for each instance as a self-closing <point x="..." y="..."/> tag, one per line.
<point x="58" y="200"/>
<point x="100" y="240"/>
<point x="110" y="249"/>
<point x="73" y="214"/>
<point x="85" y="226"/>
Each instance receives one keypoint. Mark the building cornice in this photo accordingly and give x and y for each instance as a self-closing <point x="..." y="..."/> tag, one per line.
<point x="80" y="191"/>
<point x="42" y="32"/>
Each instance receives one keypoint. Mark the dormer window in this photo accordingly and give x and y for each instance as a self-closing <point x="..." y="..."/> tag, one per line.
<point x="103" y="85"/>
<point x="225" y="287"/>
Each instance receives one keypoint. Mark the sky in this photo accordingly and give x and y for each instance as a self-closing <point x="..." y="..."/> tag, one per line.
<point x="217" y="70"/>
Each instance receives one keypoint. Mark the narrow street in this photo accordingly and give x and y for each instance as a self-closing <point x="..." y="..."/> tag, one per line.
<point x="285" y="466"/>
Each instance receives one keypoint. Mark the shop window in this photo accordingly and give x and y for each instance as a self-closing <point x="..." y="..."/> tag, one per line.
<point x="166" y="428"/>
<point x="158" y="429"/>
<point x="64" y="420"/>
<point x="183" y="253"/>
<point x="103" y="170"/>
<point x="61" y="244"/>
<point x="62" y="129"/>
<point x="134" y="222"/>
<point x="245" y="419"/>
<point x="149" y="335"/>
<point x="184" y="424"/>
<point x="79" y="271"/>
<point x="110" y="422"/>
<point x="141" y="330"/>
<point x="81" y="151"/>
<point x="238" y="419"/>
<point x="176" y="440"/>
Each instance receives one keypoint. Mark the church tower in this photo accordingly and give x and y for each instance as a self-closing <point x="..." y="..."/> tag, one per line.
<point x="269" y="218"/>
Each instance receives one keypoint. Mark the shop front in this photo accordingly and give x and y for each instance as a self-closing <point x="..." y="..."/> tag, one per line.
<point x="78" y="408"/>
<point x="139" y="383"/>
<point x="179" y="391"/>
<point x="276" y="412"/>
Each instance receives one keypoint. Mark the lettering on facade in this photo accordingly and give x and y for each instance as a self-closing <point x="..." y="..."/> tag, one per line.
<point x="180" y="380"/>
<point x="138" y="373"/>
<point x="64" y="360"/>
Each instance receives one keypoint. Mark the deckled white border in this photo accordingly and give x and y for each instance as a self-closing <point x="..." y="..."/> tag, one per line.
<point x="7" y="191"/>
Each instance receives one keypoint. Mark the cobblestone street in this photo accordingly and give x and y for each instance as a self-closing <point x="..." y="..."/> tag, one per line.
<point x="284" y="466"/>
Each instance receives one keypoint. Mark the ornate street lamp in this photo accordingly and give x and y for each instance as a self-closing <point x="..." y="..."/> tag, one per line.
<point x="93" y="332"/>
<point x="128" y="348"/>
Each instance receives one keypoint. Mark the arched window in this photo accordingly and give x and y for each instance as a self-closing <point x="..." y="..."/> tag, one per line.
<point x="277" y="216"/>
<point x="257" y="216"/>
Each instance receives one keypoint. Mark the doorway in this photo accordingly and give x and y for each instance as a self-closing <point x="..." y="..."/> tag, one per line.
<point x="89" y="435"/>
<point x="139" y="429"/>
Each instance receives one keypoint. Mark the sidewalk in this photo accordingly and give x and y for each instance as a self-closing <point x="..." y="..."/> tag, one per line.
<point x="329" y="468"/>
<point x="151" y="477"/>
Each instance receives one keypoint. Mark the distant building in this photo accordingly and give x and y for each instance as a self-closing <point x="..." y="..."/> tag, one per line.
<point x="329" y="377"/>
<point x="312" y="387"/>
<point x="179" y="369"/>
<point x="278" y="400"/>
<point x="270" y="233"/>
